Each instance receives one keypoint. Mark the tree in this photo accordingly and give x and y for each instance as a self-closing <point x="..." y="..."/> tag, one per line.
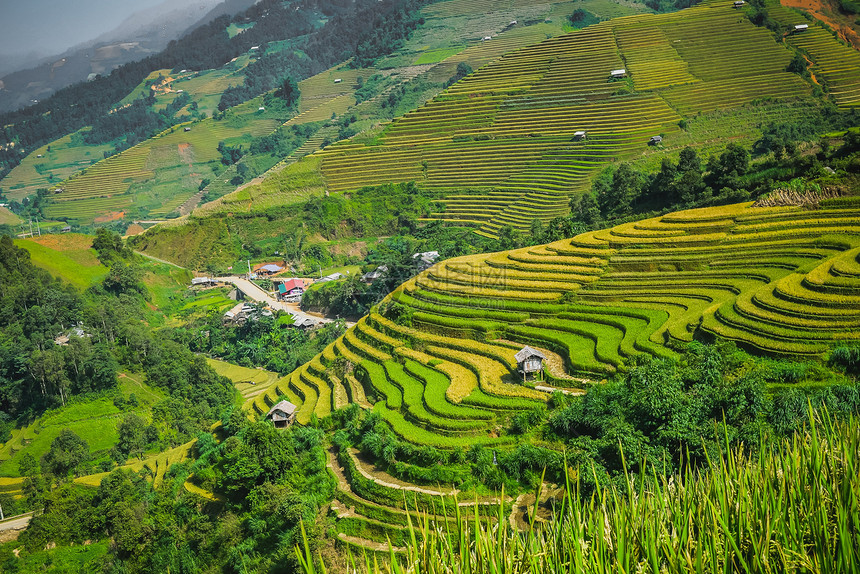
<point x="110" y="246"/>
<point x="509" y="238"/>
<point x="536" y="230"/>
<point x="616" y="194"/>
<point x="34" y="484"/>
<point x="102" y="368"/>
<point x="132" y="436"/>
<point x="68" y="451"/>
<point x="289" y="91"/>
<point x="585" y="209"/>
<point x="688" y="160"/>
<point x="124" y="278"/>
<point x="463" y="70"/>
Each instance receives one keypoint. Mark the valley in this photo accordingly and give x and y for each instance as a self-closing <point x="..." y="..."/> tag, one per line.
<point x="545" y="268"/>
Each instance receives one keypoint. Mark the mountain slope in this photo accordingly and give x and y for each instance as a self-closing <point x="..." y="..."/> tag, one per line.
<point x="507" y="133"/>
<point x="437" y="356"/>
<point x="144" y="33"/>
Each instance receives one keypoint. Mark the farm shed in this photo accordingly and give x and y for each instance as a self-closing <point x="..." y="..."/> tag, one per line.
<point x="372" y="276"/>
<point x="529" y="361"/>
<point x="333" y="277"/>
<point x="655" y="140"/>
<point x="269" y="269"/>
<point x="186" y="129"/>
<point x="283" y="414"/>
<point x="620" y="73"/>
<point x="801" y="27"/>
<point x="580" y="135"/>
<point x="425" y="260"/>
<point x="739" y="3"/>
<point x="203" y="281"/>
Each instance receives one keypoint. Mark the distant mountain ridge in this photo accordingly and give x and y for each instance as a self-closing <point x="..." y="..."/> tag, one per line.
<point x="143" y="33"/>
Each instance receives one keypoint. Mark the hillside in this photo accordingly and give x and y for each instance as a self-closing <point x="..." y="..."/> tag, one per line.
<point x="679" y="246"/>
<point x="435" y="361"/>
<point x="498" y="148"/>
<point x="413" y="74"/>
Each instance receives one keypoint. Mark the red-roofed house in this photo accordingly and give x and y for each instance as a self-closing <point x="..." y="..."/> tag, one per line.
<point x="291" y="289"/>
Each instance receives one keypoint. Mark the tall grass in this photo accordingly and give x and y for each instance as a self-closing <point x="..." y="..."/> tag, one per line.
<point x="791" y="507"/>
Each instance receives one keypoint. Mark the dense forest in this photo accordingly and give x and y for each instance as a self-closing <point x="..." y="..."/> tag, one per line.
<point x="58" y="344"/>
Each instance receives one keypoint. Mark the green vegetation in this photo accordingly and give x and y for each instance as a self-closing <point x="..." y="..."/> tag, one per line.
<point x="717" y="522"/>
<point x="70" y="257"/>
<point x="688" y="339"/>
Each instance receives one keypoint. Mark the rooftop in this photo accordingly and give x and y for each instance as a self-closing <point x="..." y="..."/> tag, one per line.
<point x="283" y="406"/>
<point x="528" y="352"/>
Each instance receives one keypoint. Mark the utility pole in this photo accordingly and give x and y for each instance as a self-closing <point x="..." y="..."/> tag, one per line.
<point x="30" y="221"/>
<point x="39" y="229"/>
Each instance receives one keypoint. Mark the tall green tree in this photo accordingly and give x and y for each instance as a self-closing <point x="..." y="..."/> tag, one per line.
<point x="68" y="451"/>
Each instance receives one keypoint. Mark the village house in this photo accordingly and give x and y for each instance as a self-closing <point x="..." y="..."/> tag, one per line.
<point x="529" y="362"/>
<point x="333" y="277"/>
<point x="268" y="269"/>
<point x="290" y="289"/>
<point x="425" y="260"/>
<point x="203" y="281"/>
<point x="283" y="414"/>
<point x="377" y="273"/>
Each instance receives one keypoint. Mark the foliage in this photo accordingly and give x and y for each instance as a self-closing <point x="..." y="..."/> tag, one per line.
<point x="263" y="342"/>
<point x="68" y="451"/>
<point x="272" y="479"/>
<point x="387" y="32"/>
<point x="580" y="18"/>
<point x="665" y="411"/>
<point x="811" y="476"/>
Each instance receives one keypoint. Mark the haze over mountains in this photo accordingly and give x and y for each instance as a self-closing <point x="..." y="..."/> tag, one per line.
<point x="33" y="71"/>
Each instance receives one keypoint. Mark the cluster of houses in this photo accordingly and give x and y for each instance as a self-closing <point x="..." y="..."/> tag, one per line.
<point x="291" y="289"/>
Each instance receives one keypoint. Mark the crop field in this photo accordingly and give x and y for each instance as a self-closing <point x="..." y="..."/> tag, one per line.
<point x="69" y="256"/>
<point x="782" y="282"/>
<point x="835" y="64"/>
<point x="509" y="128"/>
<point x="60" y="159"/>
<point x="7" y="217"/>
<point x="95" y="421"/>
<point x="160" y="174"/>
<point x="154" y="466"/>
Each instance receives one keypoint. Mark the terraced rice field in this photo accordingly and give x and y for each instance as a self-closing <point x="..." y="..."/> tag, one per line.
<point x="778" y="281"/>
<point x="159" y="174"/>
<point x="835" y="64"/>
<point x="507" y="130"/>
<point x="155" y="465"/>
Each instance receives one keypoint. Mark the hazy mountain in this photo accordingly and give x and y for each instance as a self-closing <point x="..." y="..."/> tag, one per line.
<point x="145" y="32"/>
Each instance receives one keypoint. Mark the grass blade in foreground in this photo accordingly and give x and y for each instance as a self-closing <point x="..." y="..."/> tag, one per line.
<point x="795" y="507"/>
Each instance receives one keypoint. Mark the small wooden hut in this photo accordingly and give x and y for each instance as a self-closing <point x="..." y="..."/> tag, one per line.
<point x="282" y="414"/>
<point x="529" y="361"/>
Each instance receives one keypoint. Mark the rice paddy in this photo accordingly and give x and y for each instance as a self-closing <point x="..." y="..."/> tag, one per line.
<point x="780" y="281"/>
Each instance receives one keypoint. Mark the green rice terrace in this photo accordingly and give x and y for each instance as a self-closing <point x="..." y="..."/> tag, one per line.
<point x="511" y="133"/>
<point x="435" y="361"/>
